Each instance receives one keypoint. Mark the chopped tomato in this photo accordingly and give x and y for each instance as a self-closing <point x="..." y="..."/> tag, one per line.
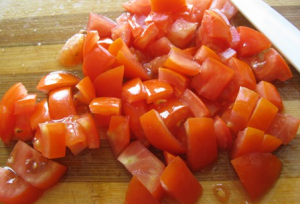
<point x="133" y="90"/>
<point x="137" y="193"/>
<point x="201" y="143"/>
<point x="89" y="128"/>
<point x="158" y="134"/>
<point x="225" y="6"/>
<point x="14" y="93"/>
<point x="168" y="157"/>
<point x="118" y="134"/>
<point x="141" y="7"/>
<point x="15" y="189"/>
<point x="140" y="162"/>
<point x="212" y="72"/>
<point x="56" y="80"/>
<point x="109" y="83"/>
<point x="106" y="106"/>
<point x="61" y="103"/>
<point x="36" y="169"/>
<point x="223" y="134"/>
<point x="90" y="43"/>
<point x="25" y="105"/>
<point x="101" y="24"/>
<point x="270" y="143"/>
<point x="22" y="129"/>
<point x="160" y="47"/>
<point x="7" y="123"/>
<point x="198" y="8"/>
<point x="40" y="114"/>
<point x="157" y="90"/>
<point x="179" y="182"/>
<point x="203" y="53"/>
<point x="251" y="42"/>
<point x="284" y="127"/>
<point x="167" y="5"/>
<point x="148" y="35"/>
<point x="181" y="62"/>
<point x="71" y="52"/>
<point x="52" y="141"/>
<point x="270" y="92"/>
<point x="87" y="90"/>
<point x="257" y="172"/>
<point x="163" y="21"/>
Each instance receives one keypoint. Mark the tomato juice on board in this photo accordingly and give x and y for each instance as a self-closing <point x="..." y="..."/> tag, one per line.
<point x="174" y="88"/>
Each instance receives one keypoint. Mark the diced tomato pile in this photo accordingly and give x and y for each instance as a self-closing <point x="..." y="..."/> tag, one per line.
<point x="176" y="75"/>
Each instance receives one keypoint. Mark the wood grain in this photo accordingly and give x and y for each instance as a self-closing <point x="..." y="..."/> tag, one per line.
<point x="31" y="35"/>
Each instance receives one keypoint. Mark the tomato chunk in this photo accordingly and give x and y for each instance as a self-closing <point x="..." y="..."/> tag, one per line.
<point x="179" y="182"/>
<point x="101" y="24"/>
<point x="106" y="106"/>
<point x="40" y="114"/>
<point x="133" y="90"/>
<point x="157" y="90"/>
<point x="35" y="168"/>
<point x="257" y="172"/>
<point x="7" y="123"/>
<point x="167" y="5"/>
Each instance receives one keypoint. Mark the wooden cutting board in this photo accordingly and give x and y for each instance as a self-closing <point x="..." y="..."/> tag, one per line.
<point x="31" y="35"/>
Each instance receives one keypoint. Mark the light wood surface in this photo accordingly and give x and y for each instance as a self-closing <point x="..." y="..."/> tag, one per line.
<point x="31" y="35"/>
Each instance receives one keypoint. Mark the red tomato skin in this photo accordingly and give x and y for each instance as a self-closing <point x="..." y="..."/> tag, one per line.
<point x="25" y="106"/>
<point x="212" y="72"/>
<point x="7" y="123"/>
<point x="143" y="164"/>
<point x="270" y="143"/>
<point x="179" y="182"/>
<point x="257" y="172"/>
<point x="106" y="106"/>
<point x="40" y="114"/>
<point x="141" y="7"/>
<point x="60" y="103"/>
<point x="157" y="90"/>
<point x="14" y="93"/>
<point x="133" y="90"/>
<point x="22" y="129"/>
<point x="158" y="134"/>
<point x="101" y="24"/>
<point x="35" y="168"/>
<point x="137" y="193"/>
<point x="201" y="142"/>
<point x="56" y="80"/>
<point x="89" y="127"/>
<point x="87" y="89"/>
<point x="15" y="190"/>
<point x="251" y="42"/>
<point x="203" y="53"/>
<point x="284" y="127"/>
<point x="223" y="134"/>
<point x="109" y="83"/>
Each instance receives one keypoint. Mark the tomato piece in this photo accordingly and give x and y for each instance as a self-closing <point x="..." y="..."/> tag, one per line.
<point x="269" y="65"/>
<point x="251" y="42"/>
<point x="157" y="90"/>
<point x="90" y="43"/>
<point x="284" y="127"/>
<point x="203" y="53"/>
<point x="133" y="90"/>
<point x="35" y="168"/>
<point x="179" y="182"/>
<point x="214" y="31"/>
<point x="52" y="141"/>
<point x="141" y="7"/>
<point x="198" y="9"/>
<point x="212" y="72"/>
<point x="122" y="31"/>
<point x="249" y="140"/>
<point x="223" y="134"/>
<point x="101" y="24"/>
<point x="158" y="134"/>
<point x="143" y="164"/>
<point x="242" y="109"/>
<point x="155" y="64"/>
<point x="182" y="33"/>
<point x="40" y="114"/>
<point x="87" y="90"/>
<point x="7" y="123"/>
<point x="56" y="80"/>
<point x="71" y="53"/>
<point x="61" y="103"/>
<point x="196" y="105"/>
<point x="225" y="6"/>
<point x="181" y="62"/>
<point x="14" y="189"/>
<point x="270" y="92"/>
<point x="160" y="47"/>
<point x="136" y="23"/>
<point x="147" y="36"/>
<point x="22" y="129"/>
<point x="105" y="42"/>
<point x="13" y="94"/>
<point x="135" y="110"/>
<point x="178" y="81"/>
<point x="201" y="143"/>
<point x="167" y="6"/>
<point x="270" y="143"/>
<point x="25" y="105"/>
<point x="168" y="157"/>
<point x="257" y="172"/>
<point x="96" y="62"/>
<point x="163" y="21"/>
<point x="109" y="83"/>
<point x="262" y="115"/>
<point x="243" y="76"/>
<point x="174" y="112"/>
<point x="137" y="193"/>
<point x="118" y="134"/>
<point x="106" y="106"/>
<point x="89" y="127"/>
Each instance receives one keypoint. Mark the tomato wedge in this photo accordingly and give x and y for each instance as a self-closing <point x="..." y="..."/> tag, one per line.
<point x="7" y="123"/>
